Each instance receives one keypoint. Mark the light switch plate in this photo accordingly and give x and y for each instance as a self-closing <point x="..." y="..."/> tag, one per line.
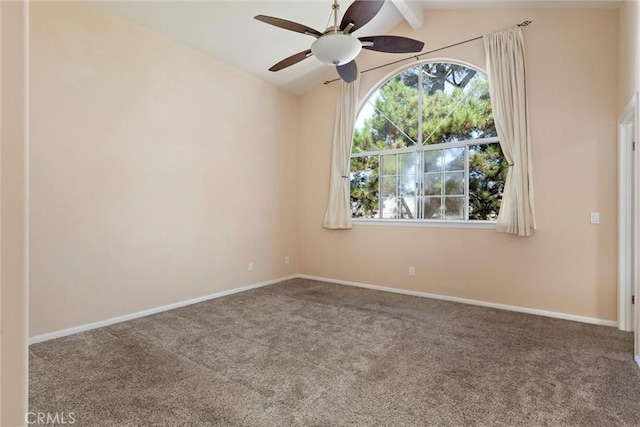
<point x="595" y="217"/>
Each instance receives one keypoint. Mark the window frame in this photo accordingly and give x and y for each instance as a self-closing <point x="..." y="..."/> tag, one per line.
<point x="421" y="149"/>
<point x="420" y="176"/>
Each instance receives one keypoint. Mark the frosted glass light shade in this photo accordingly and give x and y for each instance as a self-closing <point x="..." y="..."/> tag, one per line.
<point x="336" y="49"/>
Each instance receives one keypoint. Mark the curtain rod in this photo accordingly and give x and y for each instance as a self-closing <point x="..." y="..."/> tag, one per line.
<point x="417" y="57"/>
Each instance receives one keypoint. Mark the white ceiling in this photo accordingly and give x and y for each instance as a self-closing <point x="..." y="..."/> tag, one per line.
<point x="226" y="30"/>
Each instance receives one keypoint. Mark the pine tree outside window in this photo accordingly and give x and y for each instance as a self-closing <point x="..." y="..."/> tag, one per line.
<point x="425" y="148"/>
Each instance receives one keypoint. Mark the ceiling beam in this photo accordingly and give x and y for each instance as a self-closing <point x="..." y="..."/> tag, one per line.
<point x="411" y="11"/>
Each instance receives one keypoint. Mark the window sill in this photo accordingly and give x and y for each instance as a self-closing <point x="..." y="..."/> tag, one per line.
<point x="486" y="225"/>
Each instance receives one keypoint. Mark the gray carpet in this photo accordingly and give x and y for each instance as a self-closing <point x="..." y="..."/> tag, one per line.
<point x="316" y="354"/>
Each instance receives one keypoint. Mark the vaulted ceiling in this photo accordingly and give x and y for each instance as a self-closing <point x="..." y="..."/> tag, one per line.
<point x="226" y="30"/>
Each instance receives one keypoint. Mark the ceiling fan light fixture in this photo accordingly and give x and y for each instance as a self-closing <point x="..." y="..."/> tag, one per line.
<point x="336" y="49"/>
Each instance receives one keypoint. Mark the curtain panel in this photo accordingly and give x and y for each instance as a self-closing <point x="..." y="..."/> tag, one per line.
<point x="508" y="90"/>
<point x="338" y="213"/>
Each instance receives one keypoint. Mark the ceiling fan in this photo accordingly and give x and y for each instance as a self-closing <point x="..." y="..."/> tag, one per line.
<point x="336" y="45"/>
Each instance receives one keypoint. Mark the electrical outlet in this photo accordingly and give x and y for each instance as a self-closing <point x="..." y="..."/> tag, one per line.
<point x="412" y="271"/>
<point x="250" y="266"/>
<point x="286" y="260"/>
<point x="595" y="217"/>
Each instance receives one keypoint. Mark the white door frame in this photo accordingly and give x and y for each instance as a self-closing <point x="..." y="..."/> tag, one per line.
<point x="636" y="223"/>
<point x="627" y="250"/>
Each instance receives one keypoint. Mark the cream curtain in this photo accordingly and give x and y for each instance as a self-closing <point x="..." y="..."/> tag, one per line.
<point x="338" y="214"/>
<point x="508" y="89"/>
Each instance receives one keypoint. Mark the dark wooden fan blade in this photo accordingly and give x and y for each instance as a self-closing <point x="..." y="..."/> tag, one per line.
<point x="348" y="72"/>
<point x="391" y="44"/>
<point x="293" y="59"/>
<point x="288" y="25"/>
<point x="359" y="13"/>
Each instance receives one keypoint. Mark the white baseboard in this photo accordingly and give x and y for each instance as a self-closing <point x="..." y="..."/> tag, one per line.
<point x="113" y="320"/>
<point x="638" y="359"/>
<point x="76" y="329"/>
<point x="518" y="309"/>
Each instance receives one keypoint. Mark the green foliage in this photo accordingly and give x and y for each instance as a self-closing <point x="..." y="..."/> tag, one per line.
<point x="365" y="186"/>
<point x="487" y="173"/>
<point x="395" y="121"/>
<point x="456" y="107"/>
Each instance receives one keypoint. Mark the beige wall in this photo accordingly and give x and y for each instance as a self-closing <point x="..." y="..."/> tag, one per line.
<point x="629" y="17"/>
<point x="157" y="174"/>
<point x="13" y="229"/>
<point x="570" y="265"/>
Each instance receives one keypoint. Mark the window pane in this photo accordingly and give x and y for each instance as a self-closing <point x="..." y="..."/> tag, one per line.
<point x="390" y="164"/>
<point x="456" y="104"/>
<point x="408" y="207"/>
<point x="487" y="173"/>
<point x="389" y="186"/>
<point x="389" y="118"/>
<point x="432" y="208"/>
<point x="454" y="183"/>
<point x="364" y="187"/>
<point x="408" y="163"/>
<point x="407" y="185"/>
<point x="454" y="207"/>
<point x="433" y="184"/>
<point x="454" y="159"/>
<point x="433" y="160"/>
<point x="390" y="207"/>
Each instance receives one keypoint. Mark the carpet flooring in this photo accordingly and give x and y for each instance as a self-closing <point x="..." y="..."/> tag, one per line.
<point x="309" y="353"/>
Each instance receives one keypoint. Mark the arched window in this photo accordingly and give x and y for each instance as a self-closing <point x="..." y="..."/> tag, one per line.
<point x="425" y="148"/>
